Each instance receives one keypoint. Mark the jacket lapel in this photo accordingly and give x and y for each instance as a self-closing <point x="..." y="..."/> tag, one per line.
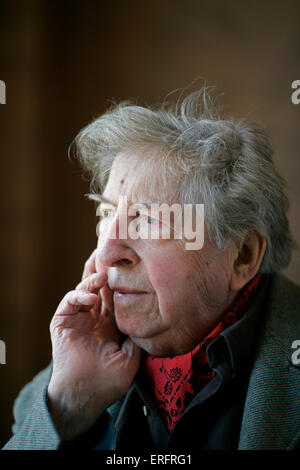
<point x="272" y="407"/>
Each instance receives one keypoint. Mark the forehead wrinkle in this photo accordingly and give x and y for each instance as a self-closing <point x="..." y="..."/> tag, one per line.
<point x="139" y="180"/>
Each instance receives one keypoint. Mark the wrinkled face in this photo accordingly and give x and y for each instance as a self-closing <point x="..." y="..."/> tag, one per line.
<point x="166" y="298"/>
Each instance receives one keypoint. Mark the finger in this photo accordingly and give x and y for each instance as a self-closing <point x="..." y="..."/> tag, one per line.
<point x="96" y="306"/>
<point x="107" y="327"/>
<point x="89" y="265"/>
<point x="75" y="301"/>
<point x="107" y="298"/>
<point x="93" y="283"/>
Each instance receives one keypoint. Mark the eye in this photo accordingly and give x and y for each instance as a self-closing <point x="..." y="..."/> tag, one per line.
<point x="106" y="213"/>
<point x="145" y="218"/>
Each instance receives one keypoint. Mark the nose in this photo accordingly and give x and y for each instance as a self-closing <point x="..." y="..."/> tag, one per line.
<point x="114" y="251"/>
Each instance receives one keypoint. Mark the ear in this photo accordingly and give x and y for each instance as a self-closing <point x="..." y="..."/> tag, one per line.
<point x="247" y="259"/>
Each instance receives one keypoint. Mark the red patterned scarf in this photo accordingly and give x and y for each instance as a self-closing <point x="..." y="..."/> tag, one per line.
<point x="175" y="381"/>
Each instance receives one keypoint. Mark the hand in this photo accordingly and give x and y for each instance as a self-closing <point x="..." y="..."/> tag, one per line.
<point x="91" y="368"/>
<point x="105" y="292"/>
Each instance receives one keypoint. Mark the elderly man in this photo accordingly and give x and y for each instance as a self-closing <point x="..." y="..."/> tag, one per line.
<point x="165" y="345"/>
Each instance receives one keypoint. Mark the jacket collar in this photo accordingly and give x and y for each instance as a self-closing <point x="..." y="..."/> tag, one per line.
<point x="239" y="339"/>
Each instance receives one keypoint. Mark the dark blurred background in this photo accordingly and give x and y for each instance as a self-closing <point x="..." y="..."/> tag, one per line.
<point x="62" y="61"/>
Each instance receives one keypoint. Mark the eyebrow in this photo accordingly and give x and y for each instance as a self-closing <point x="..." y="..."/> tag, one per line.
<point x="148" y="203"/>
<point x="100" y="198"/>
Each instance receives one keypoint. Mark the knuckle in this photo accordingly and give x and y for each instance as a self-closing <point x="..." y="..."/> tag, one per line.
<point x="87" y="283"/>
<point x="62" y="306"/>
<point x="70" y="295"/>
<point x="73" y="296"/>
<point x="79" y="285"/>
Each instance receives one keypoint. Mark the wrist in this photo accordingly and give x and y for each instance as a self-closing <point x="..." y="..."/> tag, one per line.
<point x="71" y="414"/>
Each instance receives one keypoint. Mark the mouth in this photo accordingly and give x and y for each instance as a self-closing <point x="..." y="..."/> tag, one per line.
<point x="125" y="294"/>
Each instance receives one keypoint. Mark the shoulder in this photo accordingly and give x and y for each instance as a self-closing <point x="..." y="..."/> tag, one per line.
<point x="276" y="337"/>
<point x="284" y="292"/>
<point x="271" y="413"/>
<point x="282" y="312"/>
<point x="27" y="395"/>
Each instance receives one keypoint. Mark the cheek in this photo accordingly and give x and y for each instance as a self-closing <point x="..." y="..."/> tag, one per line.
<point x="181" y="284"/>
<point x="173" y="287"/>
<point x="163" y="275"/>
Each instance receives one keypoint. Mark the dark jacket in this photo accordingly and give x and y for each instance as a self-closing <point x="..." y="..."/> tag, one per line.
<point x="270" y="416"/>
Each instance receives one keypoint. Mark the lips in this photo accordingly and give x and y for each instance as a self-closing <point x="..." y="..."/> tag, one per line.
<point x="127" y="290"/>
<point x="124" y="296"/>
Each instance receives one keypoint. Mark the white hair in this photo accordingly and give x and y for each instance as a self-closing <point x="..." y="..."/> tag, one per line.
<point x="224" y="163"/>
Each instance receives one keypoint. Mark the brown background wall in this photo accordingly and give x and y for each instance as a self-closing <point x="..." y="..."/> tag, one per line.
<point x="62" y="61"/>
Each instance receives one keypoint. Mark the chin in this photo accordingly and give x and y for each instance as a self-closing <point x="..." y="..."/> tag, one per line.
<point x="142" y="333"/>
<point x="154" y="347"/>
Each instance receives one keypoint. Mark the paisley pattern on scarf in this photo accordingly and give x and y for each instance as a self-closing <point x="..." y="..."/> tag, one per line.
<point x="175" y="381"/>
